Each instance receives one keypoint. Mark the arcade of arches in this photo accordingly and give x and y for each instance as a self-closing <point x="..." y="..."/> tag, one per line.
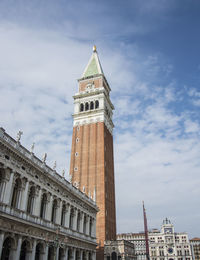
<point x="23" y="248"/>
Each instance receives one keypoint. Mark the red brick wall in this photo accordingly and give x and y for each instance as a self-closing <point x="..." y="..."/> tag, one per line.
<point x="96" y="169"/>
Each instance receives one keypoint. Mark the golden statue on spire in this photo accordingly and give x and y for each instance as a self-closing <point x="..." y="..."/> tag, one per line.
<point x="94" y="48"/>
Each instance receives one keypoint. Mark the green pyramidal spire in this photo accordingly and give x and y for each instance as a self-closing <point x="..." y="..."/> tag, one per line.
<point x="94" y="65"/>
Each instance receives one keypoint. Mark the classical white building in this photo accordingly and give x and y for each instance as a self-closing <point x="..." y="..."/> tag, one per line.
<point x="42" y="216"/>
<point x="169" y="245"/>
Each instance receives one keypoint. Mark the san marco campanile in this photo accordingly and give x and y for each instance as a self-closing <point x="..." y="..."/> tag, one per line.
<point x="92" y="162"/>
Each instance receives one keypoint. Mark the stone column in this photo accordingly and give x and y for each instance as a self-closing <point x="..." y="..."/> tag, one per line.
<point x="66" y="254"/>
<point x="67" y="216"/>
<point x="2" y="189"/>
<point x="45" y="257"/>
<point x="74" y="254"/>
<point x="94" y="227"/>
<point x="8" y="188"/>
<point x="37" y="202"/>
<point x="93" y="255"/>
<point x="75" y="219"/>
<point x="93" y="231"/>
<point x="1" y="242"/>
<point x="81" y="254"/>
<point x="81" y="222"/>
<point x="57" y="253"/>
<point x="59" y="213"/>
<point x="49" y="207"/>
<point x="33" y="250"/>
<point x="24" y="195"/>
<point x="16" y="254"/>
<point x="87" y="225"/>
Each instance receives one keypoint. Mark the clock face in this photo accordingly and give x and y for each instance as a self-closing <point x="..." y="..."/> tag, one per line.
<point x="170" y="250"/>
<point x="168" y="230"/>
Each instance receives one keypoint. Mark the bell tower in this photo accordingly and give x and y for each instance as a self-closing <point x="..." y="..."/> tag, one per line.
<point x="92" y="162"/>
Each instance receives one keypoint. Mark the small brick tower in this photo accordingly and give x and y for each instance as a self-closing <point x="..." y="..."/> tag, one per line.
<point x="92" y="163"/>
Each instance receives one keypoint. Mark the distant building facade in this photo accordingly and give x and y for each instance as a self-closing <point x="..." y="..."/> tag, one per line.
<point x="195" y="248"/>
<point x="163" y="245"/>
<point x="42" y="216"/>
<point x="138" y="239"/>
<point x="119" y="250"/>
<point x="168" y="245"/>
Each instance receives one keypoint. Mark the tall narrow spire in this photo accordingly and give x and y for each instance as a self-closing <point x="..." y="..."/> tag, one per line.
<point x="94" y="66"/>
<point x="146" y="232"/>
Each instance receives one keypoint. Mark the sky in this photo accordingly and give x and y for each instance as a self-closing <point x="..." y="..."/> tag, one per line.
<point x="149" y="51"/>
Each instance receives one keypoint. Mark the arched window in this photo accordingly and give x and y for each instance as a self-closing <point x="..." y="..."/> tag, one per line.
<point x="61" y="253"/>
<point x="31" y="198"/>
<point x="69" y="256"/>
<point x="84" y="255"/>
<point x="54" y="211"/>
<point x="71" y="219"/>
<point x="91" y="105"/>
<point x="96" y="104"/>
<point x="43" y="205"/>
<point x="15" y="202"/>
<point x="63" y="214"/>
<point x="77" y="255"/>
<point x="86" y="106"/>
<point x="39" y="251"/>
<point x="114" y="256"/>
<point x="51" y="252"/>
<point x="8" y="246"/>
<point x="25" y="249"/>
<point x="78" y="221"/>
<point x="84" y="224"/>
<point x="81" y="107"/>
<point x="89" y="256"/>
